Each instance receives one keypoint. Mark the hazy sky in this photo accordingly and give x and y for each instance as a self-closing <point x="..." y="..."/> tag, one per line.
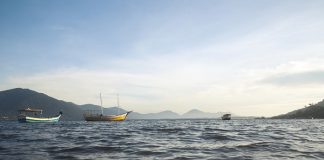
<point x="251" y="57"/>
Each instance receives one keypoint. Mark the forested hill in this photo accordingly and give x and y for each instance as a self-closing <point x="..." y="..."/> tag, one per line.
<point x="18" y="98"/>
<point x="315" y="111"/>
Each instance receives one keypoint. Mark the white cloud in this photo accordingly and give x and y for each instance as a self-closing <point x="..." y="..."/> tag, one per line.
<point x="180" y="89"/>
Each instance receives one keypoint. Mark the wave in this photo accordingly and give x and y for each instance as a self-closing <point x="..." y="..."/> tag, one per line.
<point x="167" y="139"/>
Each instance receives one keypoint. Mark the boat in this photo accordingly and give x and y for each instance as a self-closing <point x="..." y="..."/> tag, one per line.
<point x="226" y="117"/>
<point x="90" y="116"/>
<point x="101" y="117"/>
<point x="35" y="115"/>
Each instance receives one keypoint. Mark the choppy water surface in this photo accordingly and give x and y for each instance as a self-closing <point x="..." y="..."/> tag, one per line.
<point x="164" y="139"/>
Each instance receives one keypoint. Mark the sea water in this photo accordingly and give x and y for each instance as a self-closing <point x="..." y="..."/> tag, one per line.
<point x="164" y="139"/>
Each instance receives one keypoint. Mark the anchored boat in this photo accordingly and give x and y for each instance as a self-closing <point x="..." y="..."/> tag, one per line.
<point x="35" y="115"/>
<point x="90" y="116"/>
<point x="101" y="117"/>
<point x="226" y="117"/>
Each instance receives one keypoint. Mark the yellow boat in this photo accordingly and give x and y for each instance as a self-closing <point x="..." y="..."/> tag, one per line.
<point x="100" y="117"/>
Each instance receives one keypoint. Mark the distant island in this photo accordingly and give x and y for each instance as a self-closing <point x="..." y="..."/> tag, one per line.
<point x="18" y="98"/>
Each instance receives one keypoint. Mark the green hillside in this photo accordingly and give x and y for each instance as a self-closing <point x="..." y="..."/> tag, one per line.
<point x="315" y="111"/>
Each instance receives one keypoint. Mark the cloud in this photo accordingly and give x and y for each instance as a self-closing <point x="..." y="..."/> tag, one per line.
<point x="83" y="86"/>
<point x="305" y="72"/>
<point x="184" y="87"/>
<point x="293" y="79"/>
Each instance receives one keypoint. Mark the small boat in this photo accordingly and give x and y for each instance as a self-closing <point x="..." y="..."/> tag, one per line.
<point x="35" y="115"/>
<point x="226" y="117"/>
<point x="89" y="116"/>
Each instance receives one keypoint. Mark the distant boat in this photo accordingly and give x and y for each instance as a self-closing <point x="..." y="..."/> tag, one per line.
<point x="226" y="117"/>
<point x="101" y="117"/>
<point x="35" y="115"/>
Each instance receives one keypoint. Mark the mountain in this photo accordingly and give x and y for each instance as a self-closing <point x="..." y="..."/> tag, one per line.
<point x="160" y="115"/>
<point x="15" y="99"/>
<point x="195" y="113"/>
<point x="18" y="98"/>
<point x="312" y="111"/>
<point x="192" y="114"/>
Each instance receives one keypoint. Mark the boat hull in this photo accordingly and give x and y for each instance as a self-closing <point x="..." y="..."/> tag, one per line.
<point x="28" y="119"/>
<point x="97" y="117"/>
<point x="226" y="117"/>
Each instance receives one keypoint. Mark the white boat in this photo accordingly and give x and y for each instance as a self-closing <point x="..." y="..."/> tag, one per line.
<point x="35" y="115"/>
<point x="226" y="117"/>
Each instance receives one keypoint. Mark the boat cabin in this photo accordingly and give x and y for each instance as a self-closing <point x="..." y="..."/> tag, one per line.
<point x="30" y="112"/>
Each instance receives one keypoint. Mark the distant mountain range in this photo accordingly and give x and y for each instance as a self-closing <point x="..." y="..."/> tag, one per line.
<point x="18" y="98"/>
<point x="192" y="114"/>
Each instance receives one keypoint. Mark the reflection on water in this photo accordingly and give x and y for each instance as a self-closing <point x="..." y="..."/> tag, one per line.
<point x="167" y="139"/>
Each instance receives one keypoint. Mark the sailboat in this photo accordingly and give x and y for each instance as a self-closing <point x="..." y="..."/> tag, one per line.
<point x="101" y="117"/>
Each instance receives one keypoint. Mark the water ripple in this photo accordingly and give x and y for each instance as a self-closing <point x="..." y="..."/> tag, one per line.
<point x="164" y="139"/>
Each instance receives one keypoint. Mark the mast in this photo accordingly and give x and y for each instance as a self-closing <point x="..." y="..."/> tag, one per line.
<point x="101" y="105"/>
<point x="117" y="103"/>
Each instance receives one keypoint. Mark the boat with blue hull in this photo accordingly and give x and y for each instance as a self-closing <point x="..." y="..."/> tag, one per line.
<point x="35" y="115"/>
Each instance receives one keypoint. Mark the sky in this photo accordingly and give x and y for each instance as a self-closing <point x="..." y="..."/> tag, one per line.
<point x="251" y="58"/>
